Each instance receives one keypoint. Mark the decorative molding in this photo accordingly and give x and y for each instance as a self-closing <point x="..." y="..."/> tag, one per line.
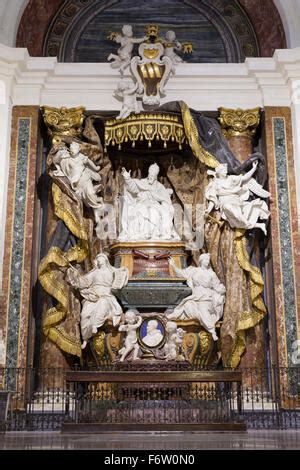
<point x="268" y="23"/>
<point x="257" y="82"/>
<point x="164" y="128"/>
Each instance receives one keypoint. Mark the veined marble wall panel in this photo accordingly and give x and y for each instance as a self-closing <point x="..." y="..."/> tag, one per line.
<point x="20" y="229"/>
<point x="284" y="229"/>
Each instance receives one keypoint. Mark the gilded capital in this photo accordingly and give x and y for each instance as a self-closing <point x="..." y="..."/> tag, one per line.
<point x="239" y="122"/>
<point x="63" y="121"/>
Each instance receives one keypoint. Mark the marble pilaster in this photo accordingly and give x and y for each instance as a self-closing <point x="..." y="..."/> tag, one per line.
<point x="284" y="229"/>
<point x="18" y="266"/>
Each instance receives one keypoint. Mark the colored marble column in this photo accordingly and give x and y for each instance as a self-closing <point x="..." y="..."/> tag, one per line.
<point x="239" y="127"/>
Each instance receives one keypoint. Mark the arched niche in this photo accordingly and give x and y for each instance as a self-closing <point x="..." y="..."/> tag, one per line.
<point x="222" y="31"/>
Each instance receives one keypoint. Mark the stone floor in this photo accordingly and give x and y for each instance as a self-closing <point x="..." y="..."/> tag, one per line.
<point x="251" y="440"/>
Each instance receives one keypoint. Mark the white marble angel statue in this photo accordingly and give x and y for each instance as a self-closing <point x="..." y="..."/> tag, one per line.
<point x="126" y="90"/>
<point x="208" y="295"/>
<point x="147" y="212"/>
<point x="133" y="322"/>
<point x="95" y="287"/>
<point x="230" y="194"/>
<point x="173" y="344"/>
<point x="81" y="173"/>
<point x="121" y="60"/>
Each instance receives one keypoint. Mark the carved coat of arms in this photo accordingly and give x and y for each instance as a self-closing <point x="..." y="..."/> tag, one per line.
<point x="150" y="70"/>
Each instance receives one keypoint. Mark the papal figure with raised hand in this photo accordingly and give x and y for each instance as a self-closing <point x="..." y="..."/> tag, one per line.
<point x="147" y="210"/>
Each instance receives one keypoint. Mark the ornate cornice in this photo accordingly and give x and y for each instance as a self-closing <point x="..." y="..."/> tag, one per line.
<point x="239" y="122"/>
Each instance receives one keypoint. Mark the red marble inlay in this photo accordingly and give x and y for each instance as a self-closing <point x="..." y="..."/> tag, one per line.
<point x="267" y="24"/>
<point x="34" y="25"/>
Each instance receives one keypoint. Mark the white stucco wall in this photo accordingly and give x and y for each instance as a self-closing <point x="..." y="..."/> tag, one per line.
<point x="289" y="11"/>
<point x="11" y="12"/>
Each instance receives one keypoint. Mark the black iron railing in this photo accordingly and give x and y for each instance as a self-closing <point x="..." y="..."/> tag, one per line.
<point x="45" y="399"/>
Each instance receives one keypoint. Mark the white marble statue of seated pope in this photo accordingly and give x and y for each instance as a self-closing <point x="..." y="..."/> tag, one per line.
<point x="147" y="210"/>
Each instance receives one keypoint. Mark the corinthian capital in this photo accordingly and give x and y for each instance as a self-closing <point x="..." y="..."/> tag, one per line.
<point x="239" y="122"/>
<point x="63" y="121"/>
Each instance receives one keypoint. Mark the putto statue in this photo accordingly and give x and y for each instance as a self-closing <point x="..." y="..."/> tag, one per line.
<point x="126" y="90"/>
<point x="173" y="345"/>
<point x="230" y="194"/>
<point x="171" y="44"/>
<point x="95" y="287"/>
<point x="208" y="296"/>
<point x="122" y="60"/>
<point x="133" y="322"/>
<point x="147" y="212"/>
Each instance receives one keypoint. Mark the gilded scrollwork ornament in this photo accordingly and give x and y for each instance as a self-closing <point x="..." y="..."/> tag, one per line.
<point x="63" y="121"/>
<point x="113" y="344"/>
<point x="239" y="122"/>
<point x="190" y="346"/>
<point x="99" y="344"/>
